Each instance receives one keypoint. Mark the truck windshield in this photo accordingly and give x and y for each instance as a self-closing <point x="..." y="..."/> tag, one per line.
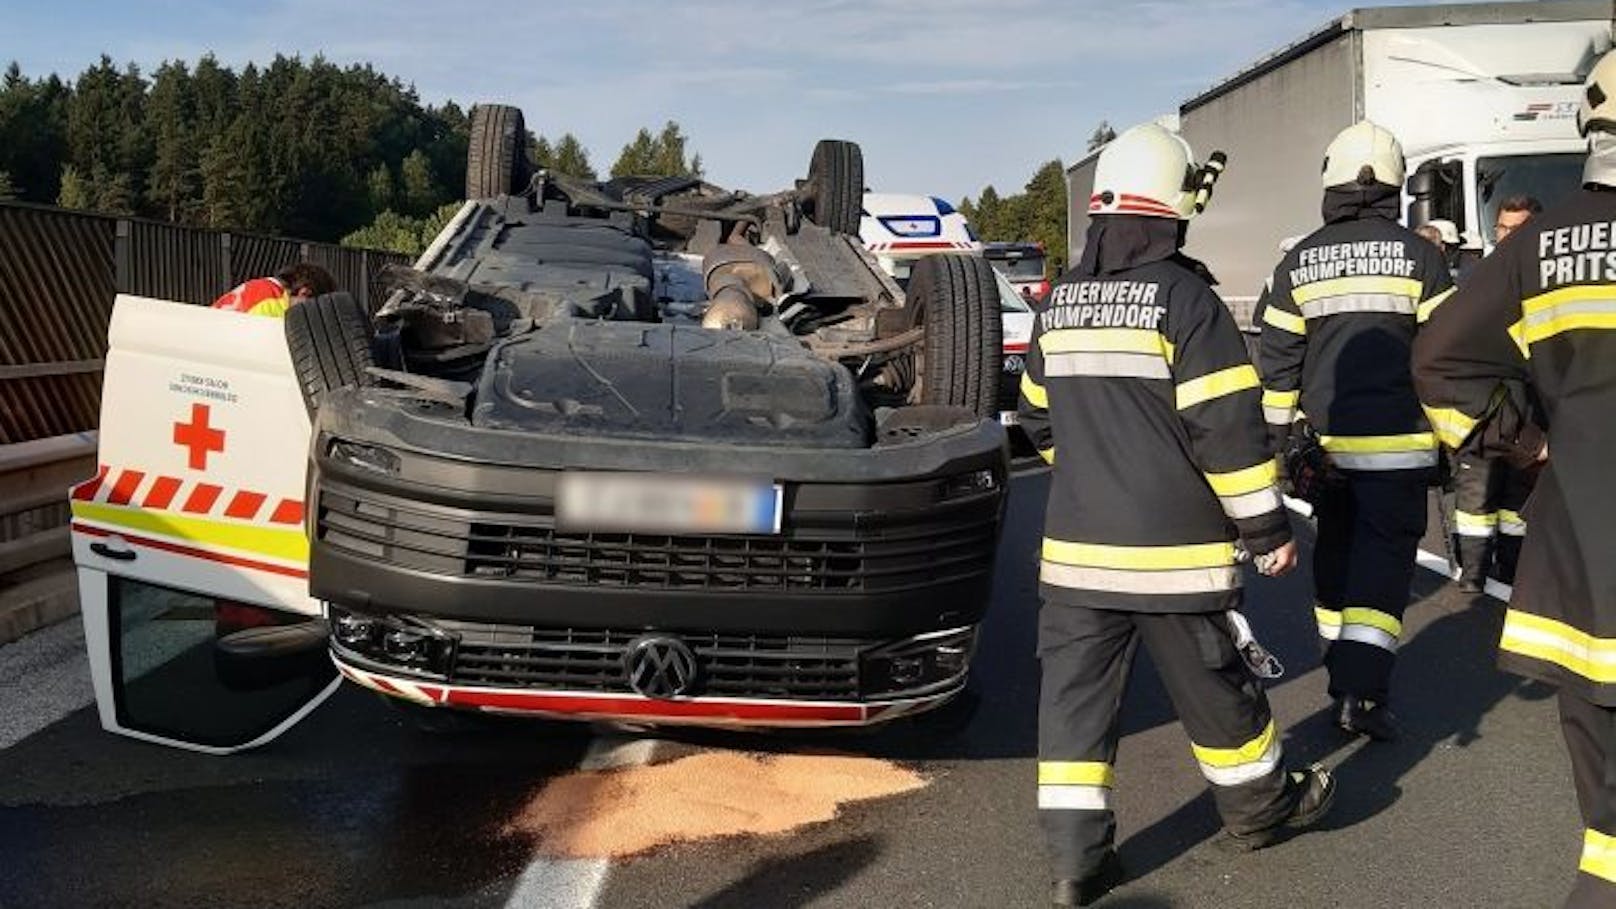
<point x="1547" y="178"/>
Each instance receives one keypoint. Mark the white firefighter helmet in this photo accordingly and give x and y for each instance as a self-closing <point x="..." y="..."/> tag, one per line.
<point x="1598" y="110"/>
<point x="1150" y="170"/>
<point x="1364" y="153"/>
<point x="1447" y="230"/>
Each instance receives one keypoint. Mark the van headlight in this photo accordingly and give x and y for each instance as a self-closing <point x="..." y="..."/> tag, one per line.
<point x="917" y="665"/>
<point x="363" y="457"/>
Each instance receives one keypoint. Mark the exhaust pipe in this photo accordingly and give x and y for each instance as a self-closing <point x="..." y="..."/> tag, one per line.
<point x="740" y="280"/>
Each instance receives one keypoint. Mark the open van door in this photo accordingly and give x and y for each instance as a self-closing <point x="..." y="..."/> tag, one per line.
<point x="190" y="542"/>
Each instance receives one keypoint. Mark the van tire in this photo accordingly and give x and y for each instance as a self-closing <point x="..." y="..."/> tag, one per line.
<point x="329" y="338"/>
<point x="496" y="156"/>
<point x="835" y="186"/>
<point x="956" y="299"/>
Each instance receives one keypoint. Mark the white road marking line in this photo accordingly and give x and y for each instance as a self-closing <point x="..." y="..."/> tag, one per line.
<point x="578" y="883"/>
<point x="1430" y="561"/>
<point x="43" y="678"/>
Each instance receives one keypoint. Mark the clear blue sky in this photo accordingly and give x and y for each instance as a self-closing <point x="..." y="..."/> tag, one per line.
<point x="945" y="95"/>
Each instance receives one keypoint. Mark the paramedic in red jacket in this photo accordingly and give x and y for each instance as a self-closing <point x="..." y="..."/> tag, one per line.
<point x="274" y="296"/>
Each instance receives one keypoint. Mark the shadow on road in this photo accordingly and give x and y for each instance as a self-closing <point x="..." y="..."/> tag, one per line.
<point x="797" y="880"/>
<point x="1453" y="655"/>
<point x="1445" y="685"/>
<point x="352" y="806"/>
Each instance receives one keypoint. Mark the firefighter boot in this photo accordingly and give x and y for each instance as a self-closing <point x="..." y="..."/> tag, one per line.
<point x="1361" y="717"/>
<point x="1474" y="555"/>
<point x="1085" y="892"/>
<point x="1312" y="791"/>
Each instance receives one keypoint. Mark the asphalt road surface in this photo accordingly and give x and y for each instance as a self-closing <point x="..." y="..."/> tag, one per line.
<point x="355" y="807"/>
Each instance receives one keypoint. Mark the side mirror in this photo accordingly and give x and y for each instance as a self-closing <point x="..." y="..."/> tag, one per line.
<point x="1436" y="190"/>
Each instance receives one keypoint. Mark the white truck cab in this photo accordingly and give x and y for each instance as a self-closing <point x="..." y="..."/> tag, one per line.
<point x="190" y="542"/>
<point x="1482" y="96"/>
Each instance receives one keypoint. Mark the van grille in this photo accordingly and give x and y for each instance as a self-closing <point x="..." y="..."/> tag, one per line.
<point x="530" y="550"/>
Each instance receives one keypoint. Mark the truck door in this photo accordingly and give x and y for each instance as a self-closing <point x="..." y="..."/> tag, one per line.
<point x="190" y="543"/>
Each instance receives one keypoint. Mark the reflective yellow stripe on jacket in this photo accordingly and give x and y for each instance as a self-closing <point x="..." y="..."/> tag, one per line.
<point x="1358" y="294"/>
<point x="1552" y="641"/>
<point x="1428" y="307"/>
<point x="1138" y="353"/>
<point x="1191" y="568"/>
<point x="1451" y="426"/>
<point x="1284" y="321"/>
<point x="1034" y="393"/>
<point x="1400" y="452"/>
<point x="1247" y="493"/>
<point x="1279" y="407"/>
<point x="1215" y="385"/>
<point x="1567" y="309"/>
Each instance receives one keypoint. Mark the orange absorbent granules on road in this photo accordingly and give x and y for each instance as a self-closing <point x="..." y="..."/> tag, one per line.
<point x="620" y="812"/>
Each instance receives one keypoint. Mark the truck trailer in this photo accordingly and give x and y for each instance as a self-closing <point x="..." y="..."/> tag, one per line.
<point x="1482" y="96"/>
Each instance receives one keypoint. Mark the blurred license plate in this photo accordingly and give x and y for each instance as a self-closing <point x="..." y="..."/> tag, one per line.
<point x="657" y="503"/>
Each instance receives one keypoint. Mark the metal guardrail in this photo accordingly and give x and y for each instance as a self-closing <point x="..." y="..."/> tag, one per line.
<point x="36" y="575"/>
<point x="34" y="479"/>
<point x="59" y="272"/>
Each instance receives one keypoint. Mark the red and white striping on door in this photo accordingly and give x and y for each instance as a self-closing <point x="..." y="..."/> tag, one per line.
<point x="154" y="492"/>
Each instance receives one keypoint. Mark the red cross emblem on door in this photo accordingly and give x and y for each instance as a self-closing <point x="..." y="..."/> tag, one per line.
<point x="198" y="437"/>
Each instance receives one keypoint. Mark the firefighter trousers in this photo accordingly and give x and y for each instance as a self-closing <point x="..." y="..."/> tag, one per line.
<point x="1590" y="734"/>
<point x="1488" y="498"/>
<point x="1369" y="530"/>
<point x="1086" y="655"/>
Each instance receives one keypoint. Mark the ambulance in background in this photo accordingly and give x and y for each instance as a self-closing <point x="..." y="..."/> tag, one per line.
<point x="899" y="229"/>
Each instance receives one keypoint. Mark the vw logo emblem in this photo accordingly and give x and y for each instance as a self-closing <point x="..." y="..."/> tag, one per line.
<point x="660" y="667"/>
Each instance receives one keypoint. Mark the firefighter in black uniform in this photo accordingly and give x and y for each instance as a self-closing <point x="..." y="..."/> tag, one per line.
<point x="1138" y="389"/>
<point x="1335" y="342"/>
<point x="1539" y="317"/>
<point x="1488" y="493"/>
